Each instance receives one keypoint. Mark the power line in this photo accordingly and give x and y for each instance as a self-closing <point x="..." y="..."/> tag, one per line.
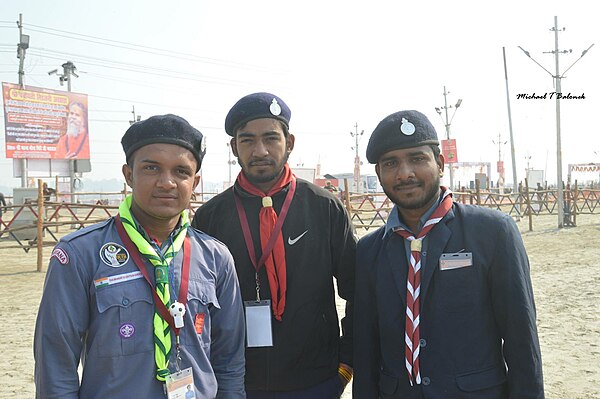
<point x="142" y="68"/>
<point x="142" y="48"/>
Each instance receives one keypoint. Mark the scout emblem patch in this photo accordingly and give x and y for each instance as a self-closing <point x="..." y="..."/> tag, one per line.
<point x="126" y="330"/>
<point x="113" y="254"/>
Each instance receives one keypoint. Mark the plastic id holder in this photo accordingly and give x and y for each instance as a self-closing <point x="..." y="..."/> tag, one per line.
<point x="180" y="385"/>
<point x="258" y="323"/>
<point x="456" y="260"/>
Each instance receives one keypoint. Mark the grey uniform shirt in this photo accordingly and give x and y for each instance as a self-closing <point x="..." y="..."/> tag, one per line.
<point x="97" y="308"/>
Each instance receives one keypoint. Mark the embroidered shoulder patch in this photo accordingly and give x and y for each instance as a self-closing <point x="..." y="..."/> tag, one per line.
<point x="61" y="256"/>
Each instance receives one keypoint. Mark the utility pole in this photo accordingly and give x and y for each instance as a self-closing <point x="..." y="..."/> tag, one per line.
<point x="510" y="128"/>
<point x="21" y="48"/>
<point x="136" y="118"/>
<point x="230" y="162"/>
<point x="447" y="124"/>
<point x="357" y="137"/>
<point x="500" y="163"/>
<point x="68" y="71"/>
<point x="557" y="78"/>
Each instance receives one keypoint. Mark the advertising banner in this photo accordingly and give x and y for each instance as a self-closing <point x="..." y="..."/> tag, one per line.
<point x="449" y="151"/>
<point x="44" y="123"/>
<point x="500" y="167"/>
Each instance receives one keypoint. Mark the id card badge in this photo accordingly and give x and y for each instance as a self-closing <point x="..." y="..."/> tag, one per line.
<point x="180" y="385"/>
<point x="456" y="260"/>
<point x="258" y="323"/>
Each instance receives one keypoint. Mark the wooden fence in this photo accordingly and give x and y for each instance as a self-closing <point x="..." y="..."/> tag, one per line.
<point x="52" y="219"/>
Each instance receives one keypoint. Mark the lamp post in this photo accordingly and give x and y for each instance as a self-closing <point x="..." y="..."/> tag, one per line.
<point x="21" y="50"/>
<point x="68" y="70"/>
<point x="230" y="162"/>
<point x="357" y="162"/>
<point x="447" y="124"/>
<point x="557" y="78"/>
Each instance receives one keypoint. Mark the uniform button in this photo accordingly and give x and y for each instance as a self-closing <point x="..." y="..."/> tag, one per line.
<point x="125" y="301"/>
<point x="422" y="343"/>
<point x="426" y="381"/>
<point x="424" y="253"/>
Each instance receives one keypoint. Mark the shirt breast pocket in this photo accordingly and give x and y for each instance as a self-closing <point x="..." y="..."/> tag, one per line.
<point x="459" y="288"/>
<point x="202" y="300"/>
<point x="124" y="324"/>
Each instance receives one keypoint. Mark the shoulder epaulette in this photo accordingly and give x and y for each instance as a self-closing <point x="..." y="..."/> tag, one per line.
<point x="85" y="230"/>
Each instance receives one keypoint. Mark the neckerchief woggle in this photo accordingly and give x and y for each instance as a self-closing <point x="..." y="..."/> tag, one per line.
<point x="140" y="249"/>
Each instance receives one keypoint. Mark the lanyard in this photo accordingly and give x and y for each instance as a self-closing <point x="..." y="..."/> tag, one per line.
<point x="139" y="262"/>
<point x="271" y="241"/>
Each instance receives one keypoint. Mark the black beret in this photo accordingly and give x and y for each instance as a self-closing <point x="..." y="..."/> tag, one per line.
<point x="403" y="129"/>
<point x="256" y="106"/>
<point x="168" y="129"/>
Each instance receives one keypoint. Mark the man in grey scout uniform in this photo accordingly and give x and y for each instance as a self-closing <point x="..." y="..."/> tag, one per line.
<point x="115" y="291"/>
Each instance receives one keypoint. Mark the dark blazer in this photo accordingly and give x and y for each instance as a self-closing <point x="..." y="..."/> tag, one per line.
<point x="478" y="323"/>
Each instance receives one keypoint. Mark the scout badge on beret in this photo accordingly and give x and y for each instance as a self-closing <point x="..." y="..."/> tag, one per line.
<point x="403" y="129"/>
<point x="256" y="106"/>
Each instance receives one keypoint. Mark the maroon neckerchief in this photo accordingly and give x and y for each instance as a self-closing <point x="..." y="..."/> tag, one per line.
<point x="413" y="286"/>
<point x="139" y="262"/>
<point x="273" y="250"/>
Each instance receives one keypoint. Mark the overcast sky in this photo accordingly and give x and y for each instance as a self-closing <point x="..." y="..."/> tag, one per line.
<point x="335" y="63"/>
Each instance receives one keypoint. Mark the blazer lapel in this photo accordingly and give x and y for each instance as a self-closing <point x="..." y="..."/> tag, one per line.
<point x="437" y="239"/>
<point x="397" y="263"/>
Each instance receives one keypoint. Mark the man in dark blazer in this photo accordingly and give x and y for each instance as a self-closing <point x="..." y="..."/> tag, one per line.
<point x="444" y="306"/>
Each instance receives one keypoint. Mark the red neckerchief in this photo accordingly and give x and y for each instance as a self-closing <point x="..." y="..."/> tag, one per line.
<point x="413" y="286"/>
<point x="275" y="261"/>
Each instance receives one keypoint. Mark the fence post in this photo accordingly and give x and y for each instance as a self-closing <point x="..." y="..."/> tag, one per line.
<point x="528" y="204"/>
<point x="477" y="192"/>
<point x="40" y="227"/>
<point x="574" y="196"/>
<point x="347" y="197"/>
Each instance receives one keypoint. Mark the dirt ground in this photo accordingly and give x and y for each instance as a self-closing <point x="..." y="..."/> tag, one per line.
<point x="566" y="285"/>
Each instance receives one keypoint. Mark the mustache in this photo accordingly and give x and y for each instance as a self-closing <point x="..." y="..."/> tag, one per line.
<point x="255" y="162"/>
<point x="408" y="183"/>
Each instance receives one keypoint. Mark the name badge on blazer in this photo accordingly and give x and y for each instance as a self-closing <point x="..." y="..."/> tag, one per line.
<point x="456" y="260"/>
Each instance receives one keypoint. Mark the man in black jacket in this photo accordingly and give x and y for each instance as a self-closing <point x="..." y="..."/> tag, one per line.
<point x="289" y="239"/>
<point x="444" y="303"/>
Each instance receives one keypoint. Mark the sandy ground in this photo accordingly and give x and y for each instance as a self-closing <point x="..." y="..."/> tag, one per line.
<point x="566" y="281"/>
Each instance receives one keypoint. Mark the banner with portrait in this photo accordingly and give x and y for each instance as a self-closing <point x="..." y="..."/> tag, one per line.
<point x="45" y="123"/>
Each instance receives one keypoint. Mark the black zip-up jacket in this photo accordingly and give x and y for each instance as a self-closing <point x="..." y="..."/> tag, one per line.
<point x="319" y="245"/>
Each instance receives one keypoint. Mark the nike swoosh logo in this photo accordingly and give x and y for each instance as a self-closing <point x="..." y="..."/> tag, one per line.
<point x="295" y="240"/>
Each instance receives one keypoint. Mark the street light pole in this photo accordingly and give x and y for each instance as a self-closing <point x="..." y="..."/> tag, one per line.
<point x="557" y="77"/>
<point x="68" y="71"/>
<point x="21" y="49"/>
<point x="510" y="128"/>
<point x="357" y="136"/>
<point x="230" y="162"/>
<point x="561" y="198"/>
<point x="447" y="123"/>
